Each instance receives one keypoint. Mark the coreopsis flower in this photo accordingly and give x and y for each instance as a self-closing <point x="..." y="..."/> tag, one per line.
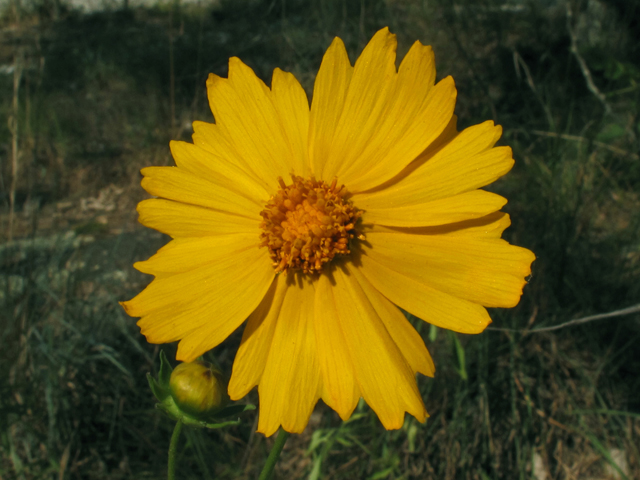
<point x="317" y="223"/>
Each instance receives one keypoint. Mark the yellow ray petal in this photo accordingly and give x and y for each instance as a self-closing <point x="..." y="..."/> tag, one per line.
<point x="173" y="292"/>
<point x="209" y="166"/>
<point x="244" y="111"/>
<point x="489" y="272"/>
<point x="340" y="388"/>
<point x="465" y="163"/>
<point x="329" y="93"/>
<point x="210" y="301"/>
<point x="212" y="138"/>
<point x="466" y="206"/>
<point x="291" y="385"/>
<point x="256" y="341"/>
<point x="447" y="135"/>
<point x="184" y="254"/>
<point x="489" y="226"/>
<point x="177" y="184"/>
<point x="292" y="106"/>
<point x="409" y="342"/>
<point x="182" y="220"/>
<point x="427" y="303"/>
<point x="369" y="95"/>
<point x="385" y="378"/>
<point x="406" y="138"/>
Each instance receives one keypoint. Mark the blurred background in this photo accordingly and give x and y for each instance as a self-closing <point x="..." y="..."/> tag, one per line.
<point x="93" y="90"/>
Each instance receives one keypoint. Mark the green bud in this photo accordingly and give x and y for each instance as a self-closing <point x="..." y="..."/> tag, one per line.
<point x="198" y="389"/>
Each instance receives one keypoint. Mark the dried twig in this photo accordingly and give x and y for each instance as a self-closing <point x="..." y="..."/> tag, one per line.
<point x="586" y="73"/>
<point x="576" y="138"/>
<point x="518" y="62"/>
<point x="577" y="321"/>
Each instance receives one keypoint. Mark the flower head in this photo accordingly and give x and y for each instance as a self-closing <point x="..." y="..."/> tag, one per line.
<point x="317" y="223"/>
<point x="198" y="388"/>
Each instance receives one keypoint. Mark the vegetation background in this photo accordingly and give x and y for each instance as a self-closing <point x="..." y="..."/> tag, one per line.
<point x="91" y="95"/>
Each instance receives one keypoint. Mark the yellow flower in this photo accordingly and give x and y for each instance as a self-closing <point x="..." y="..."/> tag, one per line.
<point x="263" y="229"/>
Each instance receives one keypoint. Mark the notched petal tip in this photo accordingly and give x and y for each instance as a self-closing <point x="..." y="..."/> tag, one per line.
<point x="126" y="306"/>
<point x="382" y="41"/>
<point x="448" y="86"/>
<point x="383" y="35"/>
<point x="213" y="79"/>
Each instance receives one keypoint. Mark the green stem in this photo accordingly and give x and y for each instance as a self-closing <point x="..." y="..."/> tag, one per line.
<point x="173" y="448"/>
<point x="267" y="471"/>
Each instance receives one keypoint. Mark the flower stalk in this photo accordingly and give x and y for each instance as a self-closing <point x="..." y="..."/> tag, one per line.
<point x="173" y="448"/>
<point x="267" y="470"/>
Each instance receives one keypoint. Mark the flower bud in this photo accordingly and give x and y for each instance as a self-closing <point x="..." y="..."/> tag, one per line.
<point x="198" y="388"/>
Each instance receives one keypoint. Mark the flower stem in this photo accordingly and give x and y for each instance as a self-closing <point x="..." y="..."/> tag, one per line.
<point x="267" y="471"/>
<point x="173" y="447"/>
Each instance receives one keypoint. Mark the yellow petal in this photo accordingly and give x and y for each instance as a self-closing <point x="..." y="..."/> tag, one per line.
<point x="488" y="271"/>
<point x="292" y="106"/>
<point x="426" y="303"/>
<point x="409" y="342"/>
<point x="256" y="341"/>
<point x="340" y="388"/>
<point x="246" y="115"/>
<point x="465" y="163"/>
<point x="212" y="138"/>
<point x="408" y="136"/>
<point x="174" y="183"/>
<point x="490" y="226"/>
<point x="291" y="385"/>
<point x="370" y="93"/>
<point x="209" y="166"/>
<point x="184" y="254"/>
<point x="189" y="286"/>
<point x="385" y="378"/>
<point x="329" y="93"/>
<point x="197" y="307"/>
<point x="182" y="220"/>
<point x="447" y="135"/>
<point x="466" y="206"/>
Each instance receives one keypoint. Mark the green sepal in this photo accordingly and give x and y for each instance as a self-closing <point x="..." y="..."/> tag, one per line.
<point x="160" y="393"/>
<point x="160" y="387"/>
<point x="213" y="426"/>
<point x="164" y="375"/>
<point x="234" y="410"/>
<point x="169" y="408"/>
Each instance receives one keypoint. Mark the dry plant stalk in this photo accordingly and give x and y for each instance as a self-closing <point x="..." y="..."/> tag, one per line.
<point x="586" y="73"/>
<point x="13" y="127"/>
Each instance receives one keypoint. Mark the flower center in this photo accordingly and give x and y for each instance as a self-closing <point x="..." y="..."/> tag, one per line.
<point x="307" y="223"/>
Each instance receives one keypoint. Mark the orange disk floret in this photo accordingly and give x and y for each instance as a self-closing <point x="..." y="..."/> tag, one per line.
<point x="307" y="223"/>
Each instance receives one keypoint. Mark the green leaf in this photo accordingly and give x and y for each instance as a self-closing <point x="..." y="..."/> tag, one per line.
<point x="412" y="432"/>
<point x="611" y="132"/>
<point x="344" y="442"/>
<point x="433" y="333"/>
<point x="383" y="474"/>
<point x="604" y="452"/>
<point x="462" y="368"/>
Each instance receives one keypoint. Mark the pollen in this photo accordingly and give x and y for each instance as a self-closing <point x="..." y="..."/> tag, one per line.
<point x="306" y="224"/>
